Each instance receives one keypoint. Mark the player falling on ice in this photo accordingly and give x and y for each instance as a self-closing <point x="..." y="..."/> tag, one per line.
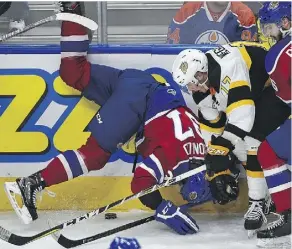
<point x="132" y="102"/>
<point x="173" y="143"/>
<point x="275" y="152"/>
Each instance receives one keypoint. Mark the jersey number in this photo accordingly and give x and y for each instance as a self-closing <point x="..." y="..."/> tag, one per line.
<point x="221" y="52"/>
<point x="178" y="131"/>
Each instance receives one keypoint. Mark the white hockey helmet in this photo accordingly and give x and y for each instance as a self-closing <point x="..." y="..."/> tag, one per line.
<point x="187" y="63"/>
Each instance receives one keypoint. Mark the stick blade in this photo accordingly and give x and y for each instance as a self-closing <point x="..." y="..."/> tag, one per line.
<point x="84" y="21"/>
<point x="59" y="238"/>
<point x="55" y="235"/>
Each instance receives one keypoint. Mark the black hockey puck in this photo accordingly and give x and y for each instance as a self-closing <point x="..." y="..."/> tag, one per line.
<point x="110" y="216"/>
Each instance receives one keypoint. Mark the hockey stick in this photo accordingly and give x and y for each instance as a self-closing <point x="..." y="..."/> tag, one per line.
<point x="22" y="240"/>
<point x="68" y="243"/>
<point x="84" y="21"/>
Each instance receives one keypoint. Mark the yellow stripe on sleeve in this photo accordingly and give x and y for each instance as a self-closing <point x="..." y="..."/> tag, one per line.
<point x="245" y="56"/>
<point x="210" y="129"/>
<point x="237" y="104"/>
<point x="214" y="121"/>
<point x="238" y="84"/>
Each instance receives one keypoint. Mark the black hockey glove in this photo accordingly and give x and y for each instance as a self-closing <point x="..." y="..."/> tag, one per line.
<point x="223" y="186"/>
<point x="219" y="160"/>
<point x="218" y="154"/>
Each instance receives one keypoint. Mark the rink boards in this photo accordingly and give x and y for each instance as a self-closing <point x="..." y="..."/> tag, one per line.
<point x="40" y="116"/>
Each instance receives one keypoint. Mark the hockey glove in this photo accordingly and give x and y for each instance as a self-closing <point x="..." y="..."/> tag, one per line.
<point x="176" y="218"/>
<point x="223" y="183"/>
<point x="124" y="243"/>
<point x="223" y="186"/>
<point x="218" y="153"/>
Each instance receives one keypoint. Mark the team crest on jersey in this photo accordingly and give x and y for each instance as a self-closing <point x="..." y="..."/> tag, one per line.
<point x="273" y="5"/>
<point x="215" y="103"/>
<point x="193" y="196"/>
<point x="212" y="37"/>
<point x="184" y="67"/>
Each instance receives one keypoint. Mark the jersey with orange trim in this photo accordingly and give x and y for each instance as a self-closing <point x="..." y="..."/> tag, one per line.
<point x="194" y="24"/>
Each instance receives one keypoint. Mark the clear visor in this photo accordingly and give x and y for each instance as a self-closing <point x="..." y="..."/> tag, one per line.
<point x="270" y="29"/>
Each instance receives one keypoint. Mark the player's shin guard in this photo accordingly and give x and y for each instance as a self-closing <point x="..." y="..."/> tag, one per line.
<point x="277" y="175"/>
<point x="74" y="163"/>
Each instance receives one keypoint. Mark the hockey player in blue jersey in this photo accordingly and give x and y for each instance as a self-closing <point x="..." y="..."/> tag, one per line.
<point x="124" y="96"/>
<point x="132" y="101"/>
<point x="274" y="154"/>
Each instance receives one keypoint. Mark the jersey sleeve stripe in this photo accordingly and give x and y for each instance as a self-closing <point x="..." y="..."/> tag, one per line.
<point x="238" y="94"/>
<point x="149" y="170"/>
<point x="158" y="165"/>
<point x="237" y="104"/>
<point x="245" y="56"/>
<point x="231" y="130"/>
<point x="238" y="84"/>
<point x="211" y="129"/>
<point x="219" y="122"/>
<point x="214" y="121"/>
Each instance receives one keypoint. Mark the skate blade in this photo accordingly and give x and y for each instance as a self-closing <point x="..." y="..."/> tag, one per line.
<point x="11" y="190"/>
<point x="55" y="235"/>
<point x="252" y="233"/>
<point x="275" y="243"/>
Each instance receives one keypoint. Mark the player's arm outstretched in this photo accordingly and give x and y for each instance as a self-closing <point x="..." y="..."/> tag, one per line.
<point x="179" y="148"/>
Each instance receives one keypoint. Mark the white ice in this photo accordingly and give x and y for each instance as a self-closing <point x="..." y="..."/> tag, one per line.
<point x="216" y="232"/>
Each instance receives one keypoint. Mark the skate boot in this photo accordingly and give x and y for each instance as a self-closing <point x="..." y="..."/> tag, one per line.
<point x="70" y="7"/>
<point x="255" y="216"/>
<point x="27" y="188"/>
<point x="269" y="206"/>
<point x="277" y="234"/>
<point x="73" y="8"/>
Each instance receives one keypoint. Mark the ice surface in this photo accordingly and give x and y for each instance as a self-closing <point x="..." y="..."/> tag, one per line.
<point x="216" y="231"/>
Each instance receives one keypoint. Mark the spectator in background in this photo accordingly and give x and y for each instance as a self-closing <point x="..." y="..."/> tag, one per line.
<point x="212" y="23"/>
<point x="16" y="13"/>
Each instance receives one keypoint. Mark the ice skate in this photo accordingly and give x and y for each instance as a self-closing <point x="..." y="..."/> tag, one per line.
<point x="27" y="188"/>
<point x="277" y="234"/>
<point x="255" y="216"/>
